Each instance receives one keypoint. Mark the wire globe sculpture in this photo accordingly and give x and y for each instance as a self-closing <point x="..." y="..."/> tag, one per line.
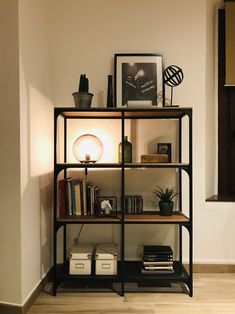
<point x="173" y="76"/>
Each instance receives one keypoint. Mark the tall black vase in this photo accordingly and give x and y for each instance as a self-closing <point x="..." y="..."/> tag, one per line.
<point x="110" y="92"/>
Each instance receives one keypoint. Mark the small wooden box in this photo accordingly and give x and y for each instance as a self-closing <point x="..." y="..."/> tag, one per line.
<point x="162" y="158"/>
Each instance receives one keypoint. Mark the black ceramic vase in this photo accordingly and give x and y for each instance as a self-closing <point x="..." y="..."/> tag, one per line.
<point x="166" y="208"/>
<point x="110" y="92"/>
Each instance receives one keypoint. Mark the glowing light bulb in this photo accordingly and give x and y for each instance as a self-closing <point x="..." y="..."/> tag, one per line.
<point x="88" y="148"/>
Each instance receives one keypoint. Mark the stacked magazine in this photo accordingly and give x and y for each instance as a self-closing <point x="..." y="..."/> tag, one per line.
<point x="157" y="259"/>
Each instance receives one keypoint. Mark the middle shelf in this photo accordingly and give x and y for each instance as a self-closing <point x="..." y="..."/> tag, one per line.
<point x="62" y="166"/>
<point x="152" y="218"/>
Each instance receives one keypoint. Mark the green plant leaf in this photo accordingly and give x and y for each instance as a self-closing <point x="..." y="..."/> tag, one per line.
<point x="165" y="195"/>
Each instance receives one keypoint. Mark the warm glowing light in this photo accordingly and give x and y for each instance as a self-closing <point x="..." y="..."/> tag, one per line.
<point x="88" y="148"/>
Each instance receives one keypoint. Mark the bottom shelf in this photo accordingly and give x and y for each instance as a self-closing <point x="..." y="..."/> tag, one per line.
<point x="129" y="272"/>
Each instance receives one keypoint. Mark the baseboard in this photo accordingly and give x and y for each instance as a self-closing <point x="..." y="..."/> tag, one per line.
<point x="10" y="309"/>
<point x="17" y="309"/>
<point x="213" y="268"/>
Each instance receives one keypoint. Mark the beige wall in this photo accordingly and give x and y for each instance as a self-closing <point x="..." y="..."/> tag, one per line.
<point x="10" y="237"/>
<point x="36" y="117"/>
<point x="26" y="149"/>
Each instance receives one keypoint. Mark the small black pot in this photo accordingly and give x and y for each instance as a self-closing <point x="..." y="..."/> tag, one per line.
<point x="82" y="100"/>
<point x="166" y="208"/>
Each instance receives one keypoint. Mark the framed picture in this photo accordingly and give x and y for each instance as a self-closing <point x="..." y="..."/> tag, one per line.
<point x="106" y="206"/>
<point x="164" y="148"/>
<point x="139" y="80"/>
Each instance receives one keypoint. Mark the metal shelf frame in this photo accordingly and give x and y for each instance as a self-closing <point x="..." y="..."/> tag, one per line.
<point x="60" y="272"/>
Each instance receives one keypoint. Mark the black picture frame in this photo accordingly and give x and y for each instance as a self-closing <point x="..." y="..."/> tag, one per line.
<point x="101" y="210"/>
<point x="164" y="148"/>
<point x="139" y="80"/>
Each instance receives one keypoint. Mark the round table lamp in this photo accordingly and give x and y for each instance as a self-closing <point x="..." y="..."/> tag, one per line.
<point x="88" y="148"/>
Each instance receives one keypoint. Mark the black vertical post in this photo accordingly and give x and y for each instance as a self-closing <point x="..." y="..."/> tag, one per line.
<point x="191" y="203"/>
<point x="65" y="175"/>
<point x="55" y="208"/>
<point x="180" y="185"/>
<point x="122" y="208"/>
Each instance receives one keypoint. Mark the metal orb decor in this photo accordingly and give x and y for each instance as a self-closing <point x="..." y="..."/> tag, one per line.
<point x="173" y="76"/>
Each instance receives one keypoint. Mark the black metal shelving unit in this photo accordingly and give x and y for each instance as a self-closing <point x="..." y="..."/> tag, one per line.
<point x="128" y="271"/>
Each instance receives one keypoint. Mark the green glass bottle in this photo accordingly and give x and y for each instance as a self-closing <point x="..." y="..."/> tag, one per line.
<point x="127" y="151"/>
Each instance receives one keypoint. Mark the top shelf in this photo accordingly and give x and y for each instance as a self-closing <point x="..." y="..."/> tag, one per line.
<point x="119" y="112"/>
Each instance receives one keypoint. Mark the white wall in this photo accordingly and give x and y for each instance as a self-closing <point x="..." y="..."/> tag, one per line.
<point x="10" y="238"/>
<point x="26" y="149"/>
<point x="36" y="118"/>
<point x="84" y="35"/>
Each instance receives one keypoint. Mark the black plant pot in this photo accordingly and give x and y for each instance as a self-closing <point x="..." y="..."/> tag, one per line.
<point x="166" y="208"/>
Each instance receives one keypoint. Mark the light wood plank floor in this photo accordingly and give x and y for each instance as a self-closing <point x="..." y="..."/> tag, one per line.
<point x="213" y="293"/>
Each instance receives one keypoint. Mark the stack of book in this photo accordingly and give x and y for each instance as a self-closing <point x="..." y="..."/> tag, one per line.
<point x="157" y="259"/>
<point x="133" y="204"/>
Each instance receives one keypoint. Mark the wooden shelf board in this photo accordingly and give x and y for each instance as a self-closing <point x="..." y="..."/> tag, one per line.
<point x="89" y="219"/>
<point x="177" y="217"/>
<point x="156" y="164"/>
<point x="88" y="165"/>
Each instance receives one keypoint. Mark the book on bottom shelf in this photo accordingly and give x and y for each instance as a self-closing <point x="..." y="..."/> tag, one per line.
<point x="160" y="263"/>
<point x="154" y="272"/>
<point x="166" y="267"/>
<point x="157" y="250"/>
<point x="157" y="259"/>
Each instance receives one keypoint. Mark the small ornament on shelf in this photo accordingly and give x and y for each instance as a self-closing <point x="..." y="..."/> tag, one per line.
<point x="127" y="151"/>
<point x="110" y="92"/>
<point x="82" y="98"/>
<point x="173" y="76"/>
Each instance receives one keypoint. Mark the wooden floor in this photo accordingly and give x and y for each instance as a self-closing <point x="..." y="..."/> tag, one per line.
<point x="213" y="293"/>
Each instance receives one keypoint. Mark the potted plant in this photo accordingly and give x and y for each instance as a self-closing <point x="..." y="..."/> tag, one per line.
<point x="83" y="98"/>
<point x="166" y="196"/>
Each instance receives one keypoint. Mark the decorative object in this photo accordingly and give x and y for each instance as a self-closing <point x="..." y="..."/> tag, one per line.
<point x="88" y="148"/>
<point x="164" y="148"/>
<point x="173" y="76"/>
<point x="83" y="98"/>
<point x="106" y="206"/>
<point x="110" y="92"/>
<point x="154" y="158"/>
<point x="166" y="196"/>
<point x="139" y="80"/>
<point x="127" y="151"/>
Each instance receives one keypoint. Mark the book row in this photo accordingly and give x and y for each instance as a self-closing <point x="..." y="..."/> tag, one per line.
<point x="80" y="197"/>
<point x="77" y="197"/>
